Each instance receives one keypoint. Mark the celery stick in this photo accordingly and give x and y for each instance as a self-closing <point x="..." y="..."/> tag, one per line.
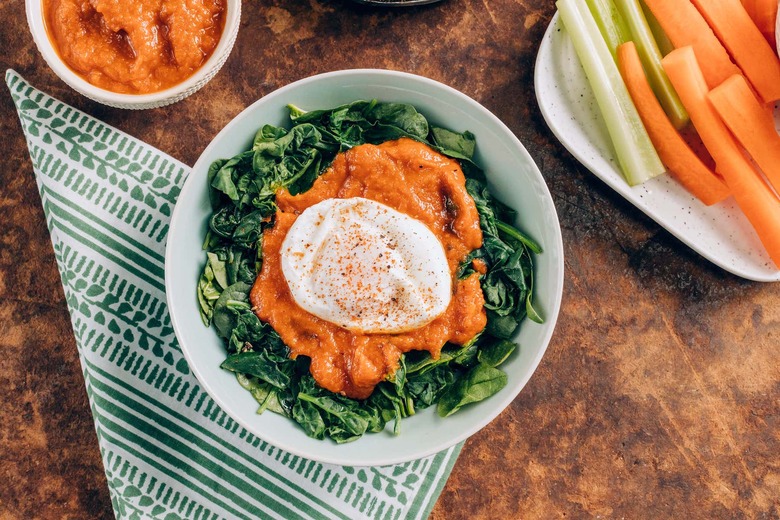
<point x="637" y="158"/>
<point x="664" y="43"/>
<point x="610" y="22"/>
<point x="651" y="61"/>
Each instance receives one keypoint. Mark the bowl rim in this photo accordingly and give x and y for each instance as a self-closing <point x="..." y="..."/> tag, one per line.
<point x="551" y="314"/>
<point x="37" y="24"/>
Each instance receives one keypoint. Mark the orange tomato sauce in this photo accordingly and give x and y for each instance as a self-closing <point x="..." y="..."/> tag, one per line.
<point x="134" y="46"/>
<point x="413" y="179"/>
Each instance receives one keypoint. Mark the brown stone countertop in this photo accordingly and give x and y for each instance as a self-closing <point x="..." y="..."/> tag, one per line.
<point x="658" y="397"/>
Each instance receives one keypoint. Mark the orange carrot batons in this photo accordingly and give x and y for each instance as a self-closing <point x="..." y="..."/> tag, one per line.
<point x="750" y="8"/>
<point x="750" y="50"/>
<point x="684" y="25"/>
<point x="763" y="13"/>
<point x="750" y="123"/>
<point x="754" y="197"/>
<point x="677" y="156"/>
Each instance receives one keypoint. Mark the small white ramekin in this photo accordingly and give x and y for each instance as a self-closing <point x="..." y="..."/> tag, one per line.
<point x="35" y="19"/>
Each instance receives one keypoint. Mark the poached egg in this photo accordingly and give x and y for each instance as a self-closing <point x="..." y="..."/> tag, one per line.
<point x="366" y="267"/>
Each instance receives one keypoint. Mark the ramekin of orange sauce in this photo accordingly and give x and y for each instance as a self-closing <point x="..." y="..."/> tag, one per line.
<point x="135" y="53"/>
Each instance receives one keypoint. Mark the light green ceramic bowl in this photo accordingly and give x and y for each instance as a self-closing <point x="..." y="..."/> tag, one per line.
<point x="513" y="177"/>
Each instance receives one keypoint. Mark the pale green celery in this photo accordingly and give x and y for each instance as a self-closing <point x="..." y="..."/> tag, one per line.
<point x="637" y="158"/>
<point x="651" y="61"/>
<point x="611" y="24"/>
<point x="664" y="43"/>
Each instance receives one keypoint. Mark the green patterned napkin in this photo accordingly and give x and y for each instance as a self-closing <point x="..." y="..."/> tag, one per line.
<point x="168" y="450"/>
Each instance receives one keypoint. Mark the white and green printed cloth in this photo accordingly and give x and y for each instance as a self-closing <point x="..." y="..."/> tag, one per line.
<point x="169" y="451"/>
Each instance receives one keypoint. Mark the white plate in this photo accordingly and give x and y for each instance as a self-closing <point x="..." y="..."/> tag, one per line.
<point x="513" y="177"/>
<point x="720" y="233"/>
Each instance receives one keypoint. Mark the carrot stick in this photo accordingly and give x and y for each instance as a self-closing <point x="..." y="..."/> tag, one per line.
<point x="693" y="140"/>
<point x="750" y="8"/>
<point x="684" y="25"/>
<point x="683" y="164"/>
<point x="747" y="45"/>
<point x="750" y="123"/>
<point x="766" y="17"/>
<point x="768" y="10"/>
<point x="753" y="195"/>
<point x="763" y="13"/>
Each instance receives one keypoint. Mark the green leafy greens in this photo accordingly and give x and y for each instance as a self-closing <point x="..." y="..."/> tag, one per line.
<point x="241" y="191"/>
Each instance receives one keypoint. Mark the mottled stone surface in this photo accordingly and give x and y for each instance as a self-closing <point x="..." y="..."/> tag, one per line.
<point x="659" y="396"/>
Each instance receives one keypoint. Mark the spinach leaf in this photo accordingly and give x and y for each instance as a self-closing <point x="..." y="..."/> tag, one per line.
<point x="495" y="352"/>
<point x="214" y="194"/>
<point x="454" y="144"/>
<point x="217" y="265"/>
<point x="344" y="419"/>
<point x="266" y="395"/>
<point x="308" y="416"/>
<point x="264" y="365"/>
<point x="363" y="122"/>
<point x="501" y="326"/>
<point x="223" y="176"/>
<point x="342" y="413"/>
<point x="394" y="401"/>
<point x="393" y="121"/>
<point x="230" y="303"/>
<point x="210" y="285"/>
<point x="247" y="231"/>
<point x="512" y="233"/>
<point x="426" y="388"/>
<point x="289" y="161"/>
<point x="224" y="221"/>
<point x="507" y="286"/>
<point x="480" y="383"/>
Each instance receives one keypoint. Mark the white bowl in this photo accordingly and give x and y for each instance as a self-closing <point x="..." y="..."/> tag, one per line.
<point x="35" y="19"/>
<point x="513" y="177"/>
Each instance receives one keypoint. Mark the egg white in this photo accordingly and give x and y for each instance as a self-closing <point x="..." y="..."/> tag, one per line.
<point x="366" y="267"/>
